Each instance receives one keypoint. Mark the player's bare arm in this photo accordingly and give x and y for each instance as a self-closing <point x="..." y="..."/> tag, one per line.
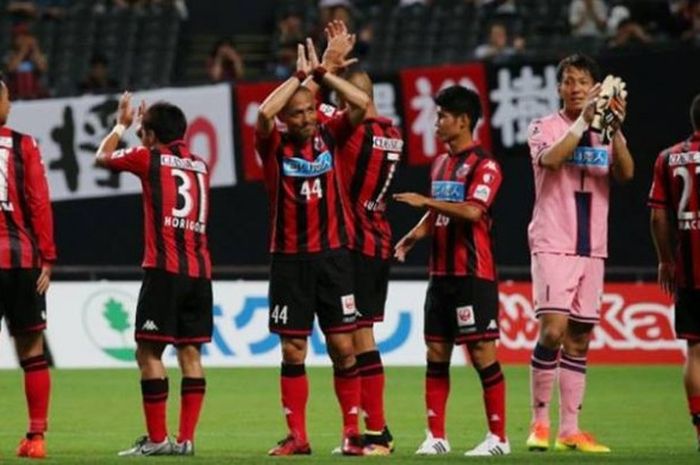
<point x="419" y="231"/>
<point x="357" y="100"/>
<point x="662" y="235"/>
<point x="465" y="211"/>
<point x="275" y="102"/>
<point x="623" y="166"/>
<point x="555" y="156"/>
<point x="125" y="117"/>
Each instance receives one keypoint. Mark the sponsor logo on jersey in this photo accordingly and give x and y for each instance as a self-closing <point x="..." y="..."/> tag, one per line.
<point x="174" y="161"/>
<point x="348" y="303"/>
<point x="299" y="168"/>
<point x="387" y="144"/>
<point x="683" y="158"/>
<point x="482" y="192"/>
<point x="589" y="156"/>
<point x="447" y="191"/>
<point x="149" y="325"/>
<point x="6" y="142"/>
<point x="465" y="316"/>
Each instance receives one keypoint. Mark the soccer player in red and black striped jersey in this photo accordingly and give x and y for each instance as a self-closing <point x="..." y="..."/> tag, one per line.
<point x="675" y="228"/>
<point x="367" y="164"/>
<point x="175" y="302"/>
<point x="27" y="252"/>
<point x="311" y="271"/>
<point x="461" y="304"/>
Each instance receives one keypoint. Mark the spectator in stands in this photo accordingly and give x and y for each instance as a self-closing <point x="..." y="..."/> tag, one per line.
<point x="225" y="63"/>
<point x="498" y="45"/>
<point x="493" y="8"/>
<point x="332" y="10"/>
<point x="25" y="64"/>
<point x="289" y="28"/>
<point x="629" y="33"/>
<point x="98" y="80"/>
<point x="587" y="18"/>
<point x="692" y="32"/>
<point x="24" y="9"/>
<point x="285" y="64"/>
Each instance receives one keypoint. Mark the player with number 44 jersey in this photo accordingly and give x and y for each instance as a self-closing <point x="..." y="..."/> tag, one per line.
<point x="175" y="302"/>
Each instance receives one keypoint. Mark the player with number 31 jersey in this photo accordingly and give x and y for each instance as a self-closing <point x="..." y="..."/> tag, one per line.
<point x="175" y="301"/>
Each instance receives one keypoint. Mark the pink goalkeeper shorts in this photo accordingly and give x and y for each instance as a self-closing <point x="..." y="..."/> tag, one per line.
<point x="568" y="284"/>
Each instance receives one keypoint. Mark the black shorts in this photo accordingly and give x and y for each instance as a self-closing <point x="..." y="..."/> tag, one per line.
<point x="23" y="308"/>
<point x="461" y="309"/>
<point x="371" y="285"/>
<point x="687" y="323"/>
<point x="302" y="287"/>
<point x="174" y="308"/>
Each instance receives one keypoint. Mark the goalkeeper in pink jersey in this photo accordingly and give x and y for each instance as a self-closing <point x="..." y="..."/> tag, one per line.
<point x="568" y="238"/>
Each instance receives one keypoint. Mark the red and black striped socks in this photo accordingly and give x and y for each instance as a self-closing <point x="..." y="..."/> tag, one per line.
<point x="294" y="386"/>
<point x="494" y="385"/>
<point x="346" y="382"/>
<point x="437" y="389"/>
<point x="37" y="390"/>
<point x="192" y="392"/>
<point x="371" y="371"/>
<point x="154" y="393"/>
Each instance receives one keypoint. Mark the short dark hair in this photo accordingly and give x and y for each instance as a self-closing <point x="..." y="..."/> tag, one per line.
<point x="459" y="100"/>
<point x="579" y="61"/>
<point x="695" y="113"/>
<point x="166" y="120"/>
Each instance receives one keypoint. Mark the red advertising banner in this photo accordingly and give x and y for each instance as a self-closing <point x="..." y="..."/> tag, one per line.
<point x="636" y="325"/>
<point x="249" y="96"/>
<point x="419" y="85"/>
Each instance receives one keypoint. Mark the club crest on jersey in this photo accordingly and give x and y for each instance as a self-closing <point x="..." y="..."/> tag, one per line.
<point x="299" y="168"/>
<point x="589" y="156"/>
<point x="447" y="191"/>
<point x="463" y="170"/>
<point x="319" y="145"/>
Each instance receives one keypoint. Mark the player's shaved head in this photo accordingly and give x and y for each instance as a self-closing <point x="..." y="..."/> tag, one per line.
<point x="362" y="81"/>
<point x="695" y="113"/>
<point x="300" y="96"/>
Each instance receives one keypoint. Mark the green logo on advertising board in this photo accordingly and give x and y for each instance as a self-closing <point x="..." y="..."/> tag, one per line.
<point x="108" y="317"/>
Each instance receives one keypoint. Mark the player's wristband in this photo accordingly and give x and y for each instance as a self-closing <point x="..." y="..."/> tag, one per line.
<point x="579" y="127"/>
<point x="301" y="75"/>
<point x="119" y="130"/>
<point x="318" y="74"/>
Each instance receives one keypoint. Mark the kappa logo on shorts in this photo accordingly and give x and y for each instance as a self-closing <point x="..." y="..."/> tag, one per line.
<point x="149" y="325"/>
<point x="348" y="304"/>
<point x="465" y="316"/>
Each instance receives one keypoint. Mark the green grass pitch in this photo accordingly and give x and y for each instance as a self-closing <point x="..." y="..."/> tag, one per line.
<point x="639" y="411"/>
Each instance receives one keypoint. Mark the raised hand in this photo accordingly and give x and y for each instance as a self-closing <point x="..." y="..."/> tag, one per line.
<point x="125" y="114"/>
<point x="311" y="52"/>
<point x="302" y="62"/>
<point x="591" y="101"/>
<point x="340" y="44"/>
